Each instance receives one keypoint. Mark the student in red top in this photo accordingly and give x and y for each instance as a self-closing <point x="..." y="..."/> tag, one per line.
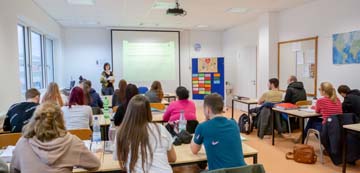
<point x="327" y="106"/>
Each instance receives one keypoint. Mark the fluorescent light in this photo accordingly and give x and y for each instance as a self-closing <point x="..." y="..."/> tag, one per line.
<point x="163" y="5"/>
<point x="81" y="2"/>
<point x="202" y="26"/>
<point x="237" y="10"/>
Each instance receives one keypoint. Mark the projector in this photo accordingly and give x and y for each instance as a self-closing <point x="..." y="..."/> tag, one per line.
<point x="177" y="11"/>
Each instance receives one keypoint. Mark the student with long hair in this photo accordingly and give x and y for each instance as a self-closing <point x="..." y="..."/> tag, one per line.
<point x="327" y="106"/>
<point x="53" y="94"/>
<point x="92" y="98"/>
<point x="46" y="146"/>
<point x="151" y="149"/>
<point x="119" y="94"/>
<point x="77" y="115"/>
<point x="155" y="94"/>
<point x="130" y="91"/>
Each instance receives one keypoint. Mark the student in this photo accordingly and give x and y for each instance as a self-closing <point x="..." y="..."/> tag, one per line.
<point x="77" y="115"/>
<point x="119" y="94"/>
<point x="107" y="80"/>
<point x="53" y="94"/>
<point x="220" y="136"/>
<point x="155" y="94"/>
<point x="19" y="114"/>
<point x="273" y="95"/>
<point x="151" y="149"/>
<point x="295" y="91"/>
<point x="172" y="113"/>
<point x="351" y="102"/>
<point x="327" y="106"/>
<point x="130" y="91"/>
<point x="46" y="146"/>
<point x="92" y="98"/>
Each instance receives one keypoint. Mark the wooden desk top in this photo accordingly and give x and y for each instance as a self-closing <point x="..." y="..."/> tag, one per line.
<point x="157" y="116"/>
<point x="247" y="101"/>
<point x="169" y="95"/>
<point x="298" y="113"/>
<point x="354" y="127"/>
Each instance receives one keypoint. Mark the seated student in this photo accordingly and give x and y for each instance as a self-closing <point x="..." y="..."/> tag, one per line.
<point x="220" y="136"/>
<point x="351" y="102"/>
<point x="151" y="149"/>
<point x="77" y="115"/>
<point x="295" y="91"/>
<point x="119" y="94"/>
<point x="53" y="94"/>
<point x="19" y="114"/>
<point x="46" y="146"/>
<point x="183" y="103"/>
<point x="273" y="95"/>
<point x="92" y="98"/>
<point x="155" y="94"/>
<point x="130" y="91"/>
<point x="327" y="106"/>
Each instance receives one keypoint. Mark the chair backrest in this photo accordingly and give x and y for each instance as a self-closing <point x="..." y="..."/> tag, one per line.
<point x="83" y="134"/>
<point x="9" y="139"/>
<point x="191" y="126"/>
<point x="143" y="90"/>
<point x="303" y="103"/>
<point x="158" y="106"/>
<point x="256" y="168"/>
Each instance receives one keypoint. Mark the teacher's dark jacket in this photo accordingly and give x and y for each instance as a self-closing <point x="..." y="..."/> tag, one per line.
<point x="351" y="102"/>
<point x="295" y="92"/>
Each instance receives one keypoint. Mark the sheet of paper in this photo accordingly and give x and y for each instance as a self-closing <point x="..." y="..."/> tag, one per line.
<point x="300" y="57"/>
<point x="6" y="155"/>
<point x="311" y="56"/>
<point x="306" y="72"/>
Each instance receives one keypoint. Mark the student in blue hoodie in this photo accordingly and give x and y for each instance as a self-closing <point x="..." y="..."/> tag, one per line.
<point x="92" y="98"/>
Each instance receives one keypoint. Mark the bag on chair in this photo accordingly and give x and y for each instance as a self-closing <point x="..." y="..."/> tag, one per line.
<point x="303" y="154"/>
<point x="245" y="124"/>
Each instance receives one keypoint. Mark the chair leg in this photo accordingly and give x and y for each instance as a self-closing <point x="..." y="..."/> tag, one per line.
<point x="307" y="136"/>
<point x="289" y="124"/>
<point x="320" y="147"/>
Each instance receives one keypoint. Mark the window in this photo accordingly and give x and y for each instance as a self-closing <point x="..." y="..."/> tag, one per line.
<point x="36" y="58"/>
<point x="22" y="57"/>
<point x="49" y="60"/>
<point x="36" y="61"/>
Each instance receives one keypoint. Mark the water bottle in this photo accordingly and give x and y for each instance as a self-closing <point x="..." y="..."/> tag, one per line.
<point x="96" y="136"/>
<point x="106" y="108"/>
<point x="182" y="121"/>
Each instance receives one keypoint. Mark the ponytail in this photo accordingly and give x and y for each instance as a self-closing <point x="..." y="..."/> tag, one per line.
<point x="333" y="96"/>
<point x="329" y="91"/>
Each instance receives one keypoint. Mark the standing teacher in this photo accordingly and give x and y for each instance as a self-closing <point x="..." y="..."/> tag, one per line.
<point x="107" y="80"/>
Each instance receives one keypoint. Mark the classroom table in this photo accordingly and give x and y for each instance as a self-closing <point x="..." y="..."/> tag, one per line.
<point x="248" y="102"/>
<point x="184" y="156"/>
<point x="299" y="113"/>
<point x="169" y="96"/>
<point x="350" y="127"/>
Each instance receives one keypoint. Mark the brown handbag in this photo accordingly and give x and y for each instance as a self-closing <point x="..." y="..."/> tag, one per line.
<point x="302" y="154"/>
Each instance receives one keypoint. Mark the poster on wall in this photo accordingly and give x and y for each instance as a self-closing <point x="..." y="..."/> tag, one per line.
<point x="207" y="65"/>
<point x="207" y="78"/>
<point x="346" y="48"/>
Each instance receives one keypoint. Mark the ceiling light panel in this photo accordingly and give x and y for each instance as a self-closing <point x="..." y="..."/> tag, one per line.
<point x="81" y="2"/>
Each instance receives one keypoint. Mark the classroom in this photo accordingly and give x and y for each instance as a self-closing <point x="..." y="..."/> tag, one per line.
<point x="180" y="86"/>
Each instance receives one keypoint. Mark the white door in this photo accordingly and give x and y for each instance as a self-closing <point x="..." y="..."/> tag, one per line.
<point x="246" y="74"/>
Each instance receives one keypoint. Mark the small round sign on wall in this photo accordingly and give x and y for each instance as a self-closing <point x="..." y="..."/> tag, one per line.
<point x="197" y="47"/>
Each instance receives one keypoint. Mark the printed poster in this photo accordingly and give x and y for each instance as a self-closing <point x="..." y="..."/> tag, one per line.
<point x="207" y="65"/>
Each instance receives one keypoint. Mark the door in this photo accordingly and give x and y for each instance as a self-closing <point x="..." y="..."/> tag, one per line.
<point x="246" y="74"/>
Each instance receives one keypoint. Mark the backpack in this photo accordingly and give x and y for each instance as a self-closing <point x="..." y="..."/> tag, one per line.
<point x="244" y="124"/>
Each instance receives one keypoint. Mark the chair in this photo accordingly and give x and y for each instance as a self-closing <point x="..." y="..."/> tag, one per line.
<point x="317" y="133"/>
<point x="83" y="134"/>
<point x="143" y="90"/>
<point x="256" y="168"/>
<point x="191" y="126"/>
<point x="9" y="139"/>
<point x="158" y="106"/>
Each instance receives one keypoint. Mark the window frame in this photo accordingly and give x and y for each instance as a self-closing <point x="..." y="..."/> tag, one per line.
<point x="25" y="55"/>
<point x="30" y="31"/>
<point x="46" y="58"/>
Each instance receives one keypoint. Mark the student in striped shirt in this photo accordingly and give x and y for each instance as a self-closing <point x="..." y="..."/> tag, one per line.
<point x="19" y="114"/>
<point x="327" y="106"/>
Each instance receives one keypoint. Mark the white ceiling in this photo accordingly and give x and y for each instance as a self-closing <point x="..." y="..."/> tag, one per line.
<point x="139" y="13"/>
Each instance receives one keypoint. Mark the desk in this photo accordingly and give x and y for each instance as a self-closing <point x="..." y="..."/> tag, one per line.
<point x="350" y="127"/>
<point x="157" y="117"/>
<point x="183" y="154"/>
<point x="169" y="96"/>
<point x="248" y="102"/>
<point x="297" y="113"/>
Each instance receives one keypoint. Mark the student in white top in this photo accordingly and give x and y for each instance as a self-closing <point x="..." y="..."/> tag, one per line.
<point x="77" y="115"/>
<point x="151" y="149"/>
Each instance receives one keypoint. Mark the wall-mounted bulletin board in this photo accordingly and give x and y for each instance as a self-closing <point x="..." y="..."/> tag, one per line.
<point x="299" y="58"/>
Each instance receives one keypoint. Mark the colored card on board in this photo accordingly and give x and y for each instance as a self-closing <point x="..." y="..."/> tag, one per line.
<point x="216" y="82"/>
<point x="207" y="86"/>
<point x="201" y="78"/>
<point x="207" y="92"/>
<point x="195" y="89"/>
<point x="195" y="75"/>
<point x="217" y="75"/>
<point x="195" y="85"/>
<point x="208" y="82"/>
<point x="201" y="82"/>
<point x="207" y="75"/>
<point x="195" y="82"/>
<point x="195" y="78"/>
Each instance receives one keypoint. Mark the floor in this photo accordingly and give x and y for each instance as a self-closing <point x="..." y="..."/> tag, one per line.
<point x="273" y="157"/>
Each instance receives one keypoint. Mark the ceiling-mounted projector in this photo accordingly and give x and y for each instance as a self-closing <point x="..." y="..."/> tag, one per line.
<point x="177" y="11"/>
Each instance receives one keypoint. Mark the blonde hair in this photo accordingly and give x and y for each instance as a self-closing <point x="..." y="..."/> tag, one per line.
<point x="329" y="90"/>
<point x="53" y="94"/>
<point x="46" y="124"/>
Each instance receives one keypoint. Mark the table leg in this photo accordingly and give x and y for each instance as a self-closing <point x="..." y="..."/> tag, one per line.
<point x="255" y="159"/>
<point x="232" y="108"/>
<point x="344" y="152"/>
<point x="302" y="127"/>
<point x="248" y="109"/>
<point x="273" y="127"/>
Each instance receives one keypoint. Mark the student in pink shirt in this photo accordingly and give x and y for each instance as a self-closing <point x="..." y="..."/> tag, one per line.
<point x="182" y="104"/>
